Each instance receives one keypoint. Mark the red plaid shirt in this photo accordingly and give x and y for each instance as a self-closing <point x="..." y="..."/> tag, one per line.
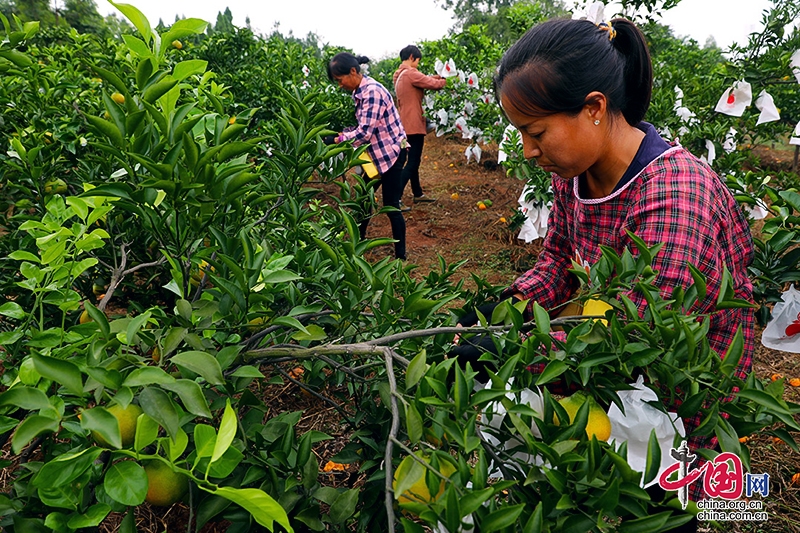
<point x="378" y="124"/>
<point x="676" y="200"/>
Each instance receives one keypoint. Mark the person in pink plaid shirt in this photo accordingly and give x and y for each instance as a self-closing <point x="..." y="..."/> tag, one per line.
<point x="578" y="93"/>
<point x="380" y="128"/>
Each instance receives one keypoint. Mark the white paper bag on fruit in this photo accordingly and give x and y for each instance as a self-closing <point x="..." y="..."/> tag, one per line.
<point x="639" y="420"/>
<point x="783" y="330"/>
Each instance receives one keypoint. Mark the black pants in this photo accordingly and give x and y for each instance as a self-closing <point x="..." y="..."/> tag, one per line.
<point x="392" y="184"/>
<point x="411" y="170"/>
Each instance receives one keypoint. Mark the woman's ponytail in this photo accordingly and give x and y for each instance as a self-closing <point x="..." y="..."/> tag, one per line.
<point x="632" y="45"/>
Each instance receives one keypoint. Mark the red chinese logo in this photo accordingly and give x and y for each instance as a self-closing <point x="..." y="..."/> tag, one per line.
<point x="723" y="477"/>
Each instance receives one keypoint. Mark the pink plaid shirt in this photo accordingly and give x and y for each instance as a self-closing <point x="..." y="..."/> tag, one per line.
<point x="378" y="124"/>
<point x="677" y="200"/>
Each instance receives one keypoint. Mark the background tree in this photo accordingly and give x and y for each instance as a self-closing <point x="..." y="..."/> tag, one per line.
<point x="83" y="16"/>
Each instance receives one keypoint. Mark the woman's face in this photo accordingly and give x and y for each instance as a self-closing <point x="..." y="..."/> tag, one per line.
<point x="349" y="82"/>
<point x="560" y="143"/>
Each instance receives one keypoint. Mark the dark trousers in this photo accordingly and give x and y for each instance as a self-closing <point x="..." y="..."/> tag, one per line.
<point x="411" y="170"/>
<point x="391" y="182"/>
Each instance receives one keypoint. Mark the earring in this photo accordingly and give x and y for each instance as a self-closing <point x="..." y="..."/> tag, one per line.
<point x="597" y="122"/>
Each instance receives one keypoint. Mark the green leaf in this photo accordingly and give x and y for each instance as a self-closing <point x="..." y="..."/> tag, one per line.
<point x="184" y="69"/>
<point x="247" y="371"/>
<point x="653" y="462"/>
<point x="191" y="394"/>
<point x="734" y="354"/>
<point x="104" y="423"/>
<point x="344" y="506"/>
<point x="66" y="468"/>
<point x="134" y="326"/>
<point x="290" y="322"/>
<point x="25" y="398"/>
<point x="60" y="371"/>
<point x="502" y="518"/>
<point x="158" y="406"/>
<point x="413" y="423"/>
<point x="647" y="524"/>
<point x="416" y="369"/>
<point x="126" y="482"/>
<point x="91" y="518"/>
<point x="12" y="310"/>
<point x="136" y="18"/>
<point x="265" y="510"/>
<point x="30" y="428"/>
<point x="146" y="432"/>
<point x="201" y="363"/>
<point x="159" y="89"/>
<point x="542" y="319"/>
<point x="227" y="431"/>
<point x="551" y="372"/>
<point x="764" y="399"/>
<point x="148" y="375"/>
<point x="205" y="438"/>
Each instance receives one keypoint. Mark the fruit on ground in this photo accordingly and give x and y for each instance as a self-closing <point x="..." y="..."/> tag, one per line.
<point x="164" y="486"/>
<point x="127" y="424"/>
<point x="454" y="196"/>
<point x="481" y="206"/>
<point x="118" y="98"/>
<point x="418" y="492"/>
<point x="598" y="423"/>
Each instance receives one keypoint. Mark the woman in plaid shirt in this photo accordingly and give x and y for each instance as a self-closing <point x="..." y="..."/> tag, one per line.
<point x="380" y="128"/>
<point x="578" y="93"/>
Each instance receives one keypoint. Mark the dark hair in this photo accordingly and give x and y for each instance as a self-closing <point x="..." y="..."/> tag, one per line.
<point x="342" y="63"/>
<point x="555" y="65"/>
<point x="410" y="51"/>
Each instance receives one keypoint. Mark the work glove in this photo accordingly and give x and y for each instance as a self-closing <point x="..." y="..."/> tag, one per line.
<point x="471" y="318"/>
<point x="329" y="139"/>
<point x="470" y="351"/>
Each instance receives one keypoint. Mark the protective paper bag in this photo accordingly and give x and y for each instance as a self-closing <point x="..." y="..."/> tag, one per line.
<point x="783" y="330"/>
<point x="636" y="424"/>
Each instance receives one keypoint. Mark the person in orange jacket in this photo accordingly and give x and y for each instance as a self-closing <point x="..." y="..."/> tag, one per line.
<point x="409" y="86"/>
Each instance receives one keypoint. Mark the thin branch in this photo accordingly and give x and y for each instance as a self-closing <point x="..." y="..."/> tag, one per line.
<point x="269" y="212"/>
<point x="387" y="457"/>
<point x="301" y="352"/>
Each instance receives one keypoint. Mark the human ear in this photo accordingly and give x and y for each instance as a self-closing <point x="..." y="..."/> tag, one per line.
<point x="596" y="105"/>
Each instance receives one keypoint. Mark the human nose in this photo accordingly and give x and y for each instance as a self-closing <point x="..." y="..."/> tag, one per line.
<point x="530" y="148"/>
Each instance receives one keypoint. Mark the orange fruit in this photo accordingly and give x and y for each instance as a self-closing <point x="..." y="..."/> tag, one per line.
<point x="744" y="439"/>
<point x="794" y="382"/>
<point x="796" y="479"/>
<point x="232" y="120"/>
<point x="503" y="220"/>
<point x="164" y="485"/>
<point x="481" y="206"/>
<point x="126" y="418"/>
<point x="118" y="98"/>
<point x="419" y="492"/>
<point x="454" y="196"/>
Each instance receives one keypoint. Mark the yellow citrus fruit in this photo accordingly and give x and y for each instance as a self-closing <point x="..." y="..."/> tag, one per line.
<point x="598" y="424"/>
<point x="418" y="492"/>
<point x="232" y="120"/>
<point x="481" y="206"/>
<point x="118" y="98"/>
<point x="56" y="186"/>
<point x="84" y="318"/>
<point x="164" y="485"/>
<point x="177" y="44"/>
<point x="126" y="418"/>
<point x="454" y="196"/>
<point x="503" y="220"/>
